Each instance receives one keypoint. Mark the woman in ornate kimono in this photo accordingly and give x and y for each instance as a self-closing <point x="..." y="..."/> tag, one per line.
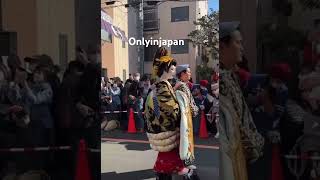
<point x="163" y="118"/>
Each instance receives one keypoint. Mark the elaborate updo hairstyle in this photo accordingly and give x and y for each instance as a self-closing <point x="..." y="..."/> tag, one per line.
<point x="162" y="62"/>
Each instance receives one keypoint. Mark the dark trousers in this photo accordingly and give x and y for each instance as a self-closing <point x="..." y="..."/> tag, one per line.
<point x="161" y="176"/>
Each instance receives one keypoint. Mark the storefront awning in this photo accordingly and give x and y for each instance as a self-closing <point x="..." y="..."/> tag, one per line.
<point x="108" y="29"/>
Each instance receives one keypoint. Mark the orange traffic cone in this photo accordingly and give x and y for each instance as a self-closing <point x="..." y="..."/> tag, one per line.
<point x="276" y="171"/>
<point x="131" y="124"/>
<point x="82" y="169"/>
<point x="203" y="126"/>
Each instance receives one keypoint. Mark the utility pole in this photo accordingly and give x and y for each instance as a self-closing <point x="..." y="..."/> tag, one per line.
<point x="140" y="30"/>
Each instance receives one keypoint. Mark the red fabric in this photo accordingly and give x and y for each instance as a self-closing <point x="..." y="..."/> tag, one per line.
<point x="168" y="162"/>
<point x="190" y="85"/>
<point x="204" y="83"/>
<point x="277" y="171"/>
<point x="215" y="77"/>
<point x="280" y="71"/>
<point x="244" y="76"/>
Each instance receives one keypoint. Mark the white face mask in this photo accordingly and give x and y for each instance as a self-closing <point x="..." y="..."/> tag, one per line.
<point x="137" y="78"/>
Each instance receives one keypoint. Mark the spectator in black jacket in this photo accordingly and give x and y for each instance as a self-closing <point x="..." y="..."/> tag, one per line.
<point x="136" y="101"/>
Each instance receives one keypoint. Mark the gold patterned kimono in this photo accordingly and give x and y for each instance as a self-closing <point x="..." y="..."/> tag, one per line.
<point x="167" y="111"/>
<point x="240" y="143"/>
<point x="162" y="111"/>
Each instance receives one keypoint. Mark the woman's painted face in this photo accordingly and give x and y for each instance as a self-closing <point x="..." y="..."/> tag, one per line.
<point x="172" y="70"/>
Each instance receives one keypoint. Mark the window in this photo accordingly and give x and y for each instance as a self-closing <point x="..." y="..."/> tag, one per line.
<point x="181" y="49"/>
<point x="63" y="50"/>
<point x="149" y="52"/>
<point x="150" y="21"/>
<point x="104" y="72"/>
<point x="124" y="75"/>
<point x="180" y="14"/>
<point x="106" y="36"/>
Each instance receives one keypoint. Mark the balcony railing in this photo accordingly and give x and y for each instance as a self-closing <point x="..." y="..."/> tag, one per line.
<point x="151" y="25"/>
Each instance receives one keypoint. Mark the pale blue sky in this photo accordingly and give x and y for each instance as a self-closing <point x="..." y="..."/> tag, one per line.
<point x="214" y="4"/>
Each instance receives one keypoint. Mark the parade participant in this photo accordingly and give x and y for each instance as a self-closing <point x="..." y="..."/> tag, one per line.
<point x="184" y="75"/>
<point x="240" y="143"/>
<point x="189" y="110"/>
<point x="162" y="113"/>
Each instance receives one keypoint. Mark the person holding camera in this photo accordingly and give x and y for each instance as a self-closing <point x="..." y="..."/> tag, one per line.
<point x="31" y="102"/>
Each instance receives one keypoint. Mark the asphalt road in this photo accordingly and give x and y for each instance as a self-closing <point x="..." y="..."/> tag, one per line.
<point x="129" y="157"/>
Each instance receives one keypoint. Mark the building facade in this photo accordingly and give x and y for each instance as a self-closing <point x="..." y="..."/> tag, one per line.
<point x="168" y="21"/>
<point x="114" y="50"/>
<point x="244" y="11"/>
<point x="40" y="29"/>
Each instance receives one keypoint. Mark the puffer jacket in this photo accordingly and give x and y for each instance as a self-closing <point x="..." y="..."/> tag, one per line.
<point x="164" y="141"/>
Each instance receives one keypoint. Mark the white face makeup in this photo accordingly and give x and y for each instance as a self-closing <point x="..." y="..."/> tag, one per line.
<point x="170" y="74"/>
<point x="172" y="70"/>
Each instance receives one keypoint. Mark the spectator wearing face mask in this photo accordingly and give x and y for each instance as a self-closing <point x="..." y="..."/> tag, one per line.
<point x="36" y="100"/>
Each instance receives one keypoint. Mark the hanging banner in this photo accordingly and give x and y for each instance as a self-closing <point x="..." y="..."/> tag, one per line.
<point x="108" y="30"/>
